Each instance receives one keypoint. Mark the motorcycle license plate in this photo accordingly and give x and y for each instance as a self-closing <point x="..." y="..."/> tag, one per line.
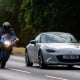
<point x="70" y="57"/>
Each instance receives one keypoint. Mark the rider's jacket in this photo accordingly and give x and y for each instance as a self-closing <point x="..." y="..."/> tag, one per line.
<point x="2" y="32"/>
<point x="8" y="37"/>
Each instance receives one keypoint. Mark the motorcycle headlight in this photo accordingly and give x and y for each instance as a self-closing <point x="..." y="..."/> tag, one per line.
<point x="7" y="43"/>
<point x="50" y="50"/>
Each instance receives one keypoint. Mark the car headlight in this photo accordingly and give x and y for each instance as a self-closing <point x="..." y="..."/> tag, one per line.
<point x="50" y="50"/>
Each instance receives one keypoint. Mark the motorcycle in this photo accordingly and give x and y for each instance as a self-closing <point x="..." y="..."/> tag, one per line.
<point x="6" y="49"/>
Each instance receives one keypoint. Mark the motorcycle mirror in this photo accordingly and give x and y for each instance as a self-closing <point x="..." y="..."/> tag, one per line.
<point x="17" y="39"/>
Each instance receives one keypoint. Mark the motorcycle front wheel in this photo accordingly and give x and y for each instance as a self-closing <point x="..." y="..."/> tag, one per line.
<point x="4" y="60"/>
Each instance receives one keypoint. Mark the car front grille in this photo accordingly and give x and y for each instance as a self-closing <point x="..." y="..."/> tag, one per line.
<point x="60" y="58"/>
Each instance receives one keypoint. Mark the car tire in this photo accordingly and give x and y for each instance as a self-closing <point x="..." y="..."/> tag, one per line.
<point x="28" y="63"/>
<point x="42" y="65"/>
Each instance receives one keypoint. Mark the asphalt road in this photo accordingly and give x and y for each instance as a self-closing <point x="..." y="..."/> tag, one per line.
<point x="16" y="70"/>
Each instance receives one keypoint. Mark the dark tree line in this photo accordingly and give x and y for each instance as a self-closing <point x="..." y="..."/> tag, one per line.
<point x="31" y="17"/>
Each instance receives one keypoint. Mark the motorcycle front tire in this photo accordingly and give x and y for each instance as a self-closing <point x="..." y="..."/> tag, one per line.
<point x="3" y="62"/>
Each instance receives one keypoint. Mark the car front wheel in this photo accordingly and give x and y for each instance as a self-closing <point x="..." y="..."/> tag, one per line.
<point x="28" y="63"/>
<point x="42" y="65"/>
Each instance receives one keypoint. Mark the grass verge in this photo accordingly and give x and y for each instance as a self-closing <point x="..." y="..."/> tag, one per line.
<point x="18" y="51"/>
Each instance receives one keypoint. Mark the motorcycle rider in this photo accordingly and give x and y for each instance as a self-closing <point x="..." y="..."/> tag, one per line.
<point x="6" y="27"/>
<point x="8" y="37"/>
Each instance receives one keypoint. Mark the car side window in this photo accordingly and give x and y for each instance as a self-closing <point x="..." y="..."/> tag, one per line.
<point x="43" y="39"/>
<point x="38" y="38"/>
<point x="73" y="39"/>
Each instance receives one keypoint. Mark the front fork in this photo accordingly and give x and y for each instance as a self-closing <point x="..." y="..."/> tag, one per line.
<point x="1" y="54"/>
<point x="5" y="54"/>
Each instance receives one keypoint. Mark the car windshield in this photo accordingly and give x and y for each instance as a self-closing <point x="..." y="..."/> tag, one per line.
<point x="63" y="38"/>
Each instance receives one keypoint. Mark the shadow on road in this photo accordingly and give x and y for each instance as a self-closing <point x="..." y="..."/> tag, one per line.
<point x="59" y="68"/>
<point x="62" y="68"/>
<point x="2" y="79"/>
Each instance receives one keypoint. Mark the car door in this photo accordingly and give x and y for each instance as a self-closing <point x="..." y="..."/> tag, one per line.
<point x="31" y="52"/>
<point x="36" y="48"/>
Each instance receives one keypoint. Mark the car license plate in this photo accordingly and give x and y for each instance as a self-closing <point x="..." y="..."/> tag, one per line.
<point x="70" y="57"/>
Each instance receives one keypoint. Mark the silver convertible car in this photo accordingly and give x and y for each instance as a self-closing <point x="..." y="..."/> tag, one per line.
<point x="53" y="48"/>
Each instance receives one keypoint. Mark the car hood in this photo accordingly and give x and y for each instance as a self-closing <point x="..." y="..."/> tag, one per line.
<point x="62" y="45"/>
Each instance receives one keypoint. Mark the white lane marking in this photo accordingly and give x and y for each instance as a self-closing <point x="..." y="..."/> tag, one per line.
<point x="19" y="70"/>
<point x="58" y="78"/>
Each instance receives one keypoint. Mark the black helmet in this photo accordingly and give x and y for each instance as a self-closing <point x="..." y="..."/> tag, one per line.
<point x="6" y="25"/>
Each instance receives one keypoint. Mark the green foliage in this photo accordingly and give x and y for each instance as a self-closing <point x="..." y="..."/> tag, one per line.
<point x="31" y="17"/>
<point x="51" y="15"/>
<point x="9" y="11"/>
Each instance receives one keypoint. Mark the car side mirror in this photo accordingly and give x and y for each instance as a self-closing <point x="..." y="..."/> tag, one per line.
<point x="33" y="41"/>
